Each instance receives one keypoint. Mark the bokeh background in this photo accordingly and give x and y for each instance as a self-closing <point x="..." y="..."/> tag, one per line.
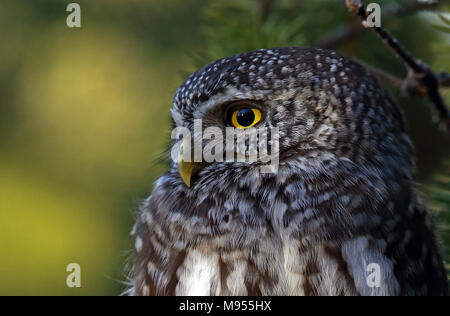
<point x="84" y="115"/>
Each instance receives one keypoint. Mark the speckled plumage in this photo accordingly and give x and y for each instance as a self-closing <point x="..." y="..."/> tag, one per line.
<point x="343" y="195"/>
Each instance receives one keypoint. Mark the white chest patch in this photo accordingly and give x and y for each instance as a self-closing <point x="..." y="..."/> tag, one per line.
<point x="293" y="268"/>
<point x="198" y="275"/>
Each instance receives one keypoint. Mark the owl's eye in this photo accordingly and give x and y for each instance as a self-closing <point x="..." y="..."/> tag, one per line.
<point x="245" y="117"/>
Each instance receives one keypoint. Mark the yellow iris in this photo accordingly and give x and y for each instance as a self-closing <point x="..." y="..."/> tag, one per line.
<point x="245" y="117"/>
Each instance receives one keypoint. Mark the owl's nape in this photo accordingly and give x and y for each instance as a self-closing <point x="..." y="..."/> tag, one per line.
<point x="339" y="216"/>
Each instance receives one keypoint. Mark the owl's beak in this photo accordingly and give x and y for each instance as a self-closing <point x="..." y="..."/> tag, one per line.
<point x="187" y="169"/>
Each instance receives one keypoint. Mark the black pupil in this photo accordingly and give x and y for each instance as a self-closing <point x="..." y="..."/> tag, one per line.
<point x="245" y="117"/>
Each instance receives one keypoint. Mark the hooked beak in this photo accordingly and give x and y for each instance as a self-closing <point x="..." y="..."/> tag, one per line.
<point x="187" y="169"/>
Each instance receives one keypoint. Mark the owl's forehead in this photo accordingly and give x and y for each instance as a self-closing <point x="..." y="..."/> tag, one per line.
<point x="258" y="74"/>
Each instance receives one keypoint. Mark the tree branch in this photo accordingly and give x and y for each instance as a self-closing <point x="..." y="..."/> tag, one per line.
<point x="346" y="32"/>
<point x="443" y="79"/>
<point x="264" y="7"/>
<point x="384" y="76"/>
<point x="420" y="80"/>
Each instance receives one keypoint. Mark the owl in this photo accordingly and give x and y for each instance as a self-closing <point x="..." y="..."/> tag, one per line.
<point x="340" y="213"/>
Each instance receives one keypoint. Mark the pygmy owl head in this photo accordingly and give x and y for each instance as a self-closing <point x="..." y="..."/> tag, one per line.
<point x="324" y="108"/>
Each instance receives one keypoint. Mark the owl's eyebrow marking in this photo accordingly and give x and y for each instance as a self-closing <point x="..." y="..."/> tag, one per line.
<point x="231" y="94"/>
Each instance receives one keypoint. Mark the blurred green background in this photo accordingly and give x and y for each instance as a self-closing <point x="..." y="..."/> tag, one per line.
<point x="84" y="116"/>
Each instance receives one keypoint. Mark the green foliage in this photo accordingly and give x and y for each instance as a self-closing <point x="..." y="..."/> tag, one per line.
<point x="84" y="115"/>
<point x="237" y="26"/>
<point x="439" y="193"/>
<point x="444" y="28"/>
